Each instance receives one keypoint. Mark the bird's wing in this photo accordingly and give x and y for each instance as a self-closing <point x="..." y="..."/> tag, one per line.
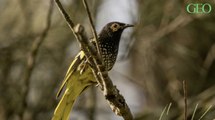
<point x="75" y="63"/>
<point x="75" y="82"/>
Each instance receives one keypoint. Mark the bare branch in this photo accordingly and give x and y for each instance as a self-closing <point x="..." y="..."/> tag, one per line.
<point x="92" y="25"/>
<point x="185" y="99"/>
<point x="208" y="61"/>
<point x="92" y="104"/>
<point x="178" y="22"/>
<point x="111" y="93"/>
<point x="31" y="59"/>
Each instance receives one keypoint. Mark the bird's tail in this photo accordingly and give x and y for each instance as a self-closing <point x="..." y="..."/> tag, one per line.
<point x="73" y="89"/>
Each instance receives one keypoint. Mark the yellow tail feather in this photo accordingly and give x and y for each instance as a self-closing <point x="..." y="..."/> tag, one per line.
<point x="75" y="82"/>
<point x="65" y="105"/>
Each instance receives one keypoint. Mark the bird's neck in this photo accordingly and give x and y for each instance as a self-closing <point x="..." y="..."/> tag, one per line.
<point x="109" y="37"/>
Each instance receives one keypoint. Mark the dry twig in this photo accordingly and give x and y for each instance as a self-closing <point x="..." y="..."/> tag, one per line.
<point x="185" y="99"/>
<point x="92" y="25"/>
<point x="31" y="59"/>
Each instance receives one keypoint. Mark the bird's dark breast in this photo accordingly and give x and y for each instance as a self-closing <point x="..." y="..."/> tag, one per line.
<point x="109" y="51"/>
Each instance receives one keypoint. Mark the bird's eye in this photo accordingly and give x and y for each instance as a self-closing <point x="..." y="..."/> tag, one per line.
<point x="115" y="27"/>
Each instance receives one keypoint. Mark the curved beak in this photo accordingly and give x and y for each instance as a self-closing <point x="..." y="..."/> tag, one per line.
<point x="128" y="25"/>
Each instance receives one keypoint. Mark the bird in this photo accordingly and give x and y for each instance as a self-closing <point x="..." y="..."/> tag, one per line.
<point x="79" y="75"/>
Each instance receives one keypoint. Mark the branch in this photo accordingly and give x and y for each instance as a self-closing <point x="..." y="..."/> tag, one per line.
<point x="111" y="93"/>
<point x="92" y="25"/>
<point x="185" y="99"/>
<point x="178" y="22"/>
<point x="181" y="20"/>
<point x="208" y="61"/>
<point x="31" y="59"/>
<point x="92" y="104"/>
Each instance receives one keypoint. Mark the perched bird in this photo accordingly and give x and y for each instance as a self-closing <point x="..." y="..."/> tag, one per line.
<point x="79" y="75"/>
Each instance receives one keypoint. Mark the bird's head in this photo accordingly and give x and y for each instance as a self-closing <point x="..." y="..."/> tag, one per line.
<point x="114" y="29"/>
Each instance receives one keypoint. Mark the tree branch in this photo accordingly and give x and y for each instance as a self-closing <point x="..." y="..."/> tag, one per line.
<point x="185" y="98"/>
<point x="92" y="25"/>
<point x="111" y="93"/>
<point x="31" y="59"/>
<point x="178" y="22"/>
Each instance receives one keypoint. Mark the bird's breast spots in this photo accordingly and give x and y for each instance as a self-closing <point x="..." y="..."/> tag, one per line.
<point x="103" y="45"/>
<point x="104" y="49"/>
<point x="110" y="55"/>
<point x="104" y="52"/>
<point x="103" y="56"/>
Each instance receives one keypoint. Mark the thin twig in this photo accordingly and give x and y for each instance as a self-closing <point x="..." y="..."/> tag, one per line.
<point x="31" y="59"/>
<point x="206" y="96"/>
<point x="209" y="59"/>
<point x="178" y="22"/>
<point x="205" y="112"/>
<point x="181" y="20"/>
<point x="92" y="25"/>
<point x="169" y="106"/>
<point x="185" y="98"/>
<point x="115" y="99"/>
<point x="92" y="104"/>
<point x="162" y="113"/>
<point x="194" y="112"/>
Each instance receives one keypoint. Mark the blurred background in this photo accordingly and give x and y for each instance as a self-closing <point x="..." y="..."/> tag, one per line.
<point x="166" y="46"/>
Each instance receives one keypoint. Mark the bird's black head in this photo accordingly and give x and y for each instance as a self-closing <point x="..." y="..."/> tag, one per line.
<point x="114" y="29"/>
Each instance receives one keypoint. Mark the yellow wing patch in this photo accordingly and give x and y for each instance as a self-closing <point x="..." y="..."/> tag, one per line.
<point x="74" y="65"/>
